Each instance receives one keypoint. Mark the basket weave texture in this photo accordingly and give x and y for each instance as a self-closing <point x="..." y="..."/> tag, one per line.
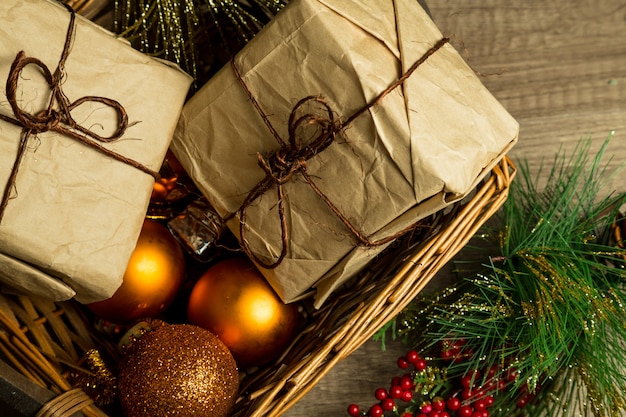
<point x="46" y="341"/>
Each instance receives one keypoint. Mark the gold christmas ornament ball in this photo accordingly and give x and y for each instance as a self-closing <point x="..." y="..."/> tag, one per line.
<point x="152" y="279"/>
<point x="235" y="302"/>
<point x="177" y="370"/>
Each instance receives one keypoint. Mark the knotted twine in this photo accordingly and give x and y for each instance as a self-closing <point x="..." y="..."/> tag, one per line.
<point x="57" y="117"/>
<point x="291" y="158"/>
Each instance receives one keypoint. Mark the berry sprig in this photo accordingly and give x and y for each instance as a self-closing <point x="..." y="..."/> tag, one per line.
<point x="540" y="307"/>
<point x="402" y="389"/>
<point x="424" y="390"/>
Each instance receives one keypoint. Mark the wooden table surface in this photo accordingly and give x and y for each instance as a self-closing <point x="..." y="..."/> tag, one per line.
<point x="559" y="67"/>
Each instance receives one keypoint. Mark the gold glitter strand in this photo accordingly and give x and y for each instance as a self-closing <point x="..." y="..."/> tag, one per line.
<point x="199" y="35"/>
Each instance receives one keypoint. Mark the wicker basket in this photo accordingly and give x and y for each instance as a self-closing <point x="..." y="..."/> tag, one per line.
<point x="46" y="341"/>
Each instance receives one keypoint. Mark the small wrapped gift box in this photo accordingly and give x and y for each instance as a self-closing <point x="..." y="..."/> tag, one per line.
<point x="86" y="122"/>
<point x="337" y="128"/>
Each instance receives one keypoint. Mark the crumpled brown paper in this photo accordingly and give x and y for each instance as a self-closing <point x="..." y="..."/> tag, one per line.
<point x="425" y="145"/>
<point x="75" y="214"/>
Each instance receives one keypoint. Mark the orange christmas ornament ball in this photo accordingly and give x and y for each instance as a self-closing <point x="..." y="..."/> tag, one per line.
<point x="152" y="279"/>
<point x="234" y="301"/>
<point x="172" y="174"/>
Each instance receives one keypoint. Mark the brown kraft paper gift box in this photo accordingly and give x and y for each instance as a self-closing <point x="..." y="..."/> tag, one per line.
<point x="347" y="157"/>
<point x="73" y="212"/>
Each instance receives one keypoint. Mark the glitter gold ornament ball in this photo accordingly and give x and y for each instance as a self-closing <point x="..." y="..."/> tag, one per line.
<point x="152" y="279"/>
<point x="235" y="302"/>
<point x="177" y="370"/>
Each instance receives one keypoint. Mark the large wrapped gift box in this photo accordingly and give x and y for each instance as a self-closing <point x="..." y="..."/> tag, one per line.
<point x="332" y="178"/>
<point x="74" y="210"/>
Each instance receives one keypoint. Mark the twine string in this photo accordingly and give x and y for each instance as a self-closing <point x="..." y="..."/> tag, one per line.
<point x="57" y="116"/>
<point x="291" y="158"/>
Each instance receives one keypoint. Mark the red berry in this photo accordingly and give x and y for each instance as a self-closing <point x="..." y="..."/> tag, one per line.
<point x="467" y="381"/>
<point x="455" y="350"/>
<point x="475" y="373"/>
<point x="426" y="408"/>
<point x="489" y="400"/>
<point x="444" y="414"/>
<point x="406" y="383"/>
<point x="525" y="400"/>
<point x="380" y="394"/>
<point x="354" y="410"/>
<point x="467" y="393"/>
<point x="511" y="374"/>
<point x="412" y="356"/>
<point x="395" y="380"/>
<point x="464" y="411"/>
<point x="434" y="413"/>
<point x="421" y="415"/>
<point x="480" y="393"/>
<point x="438" y="403"/>
<point x="453" y="403"/>
<point x="396" y="391"/>
<point x="480" y="405"/>
<point x="468" y="353"/>
<point x="388" y="404"/>
<point x="457" y="344"/>
<point x="403" y="363"/>
<point x="407" y="396"/>
<point x="491" y="386"/>
<point x="376" y="411"/>
<point x="420" y="365"/>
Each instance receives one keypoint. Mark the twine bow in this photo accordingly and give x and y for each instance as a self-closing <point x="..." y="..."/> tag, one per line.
<point x="292" y="156"/>
<point x="57" y="116"/>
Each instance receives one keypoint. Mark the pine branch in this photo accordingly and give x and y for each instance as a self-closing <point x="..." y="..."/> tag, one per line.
<point x="550" y="304"/>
